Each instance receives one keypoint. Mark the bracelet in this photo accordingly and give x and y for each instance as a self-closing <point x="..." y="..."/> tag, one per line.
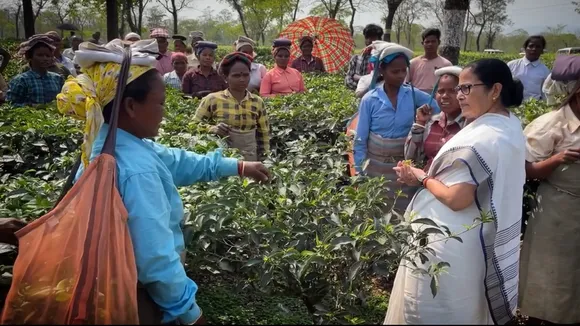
<point x="240" y="168"/>
<point x="425" y="181"/>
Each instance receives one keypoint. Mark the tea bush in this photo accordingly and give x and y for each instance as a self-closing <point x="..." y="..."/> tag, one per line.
<point x="312" y="244"/>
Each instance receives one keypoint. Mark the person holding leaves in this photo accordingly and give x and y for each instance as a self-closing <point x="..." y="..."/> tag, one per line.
<point x="236" y="113"/>
<point x="550" y="267"/>
<point x="473" y="188"/>
<point x="148" y="173"/>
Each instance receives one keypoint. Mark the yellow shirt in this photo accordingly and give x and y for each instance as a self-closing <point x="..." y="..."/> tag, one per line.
<point x="246" y="115"/>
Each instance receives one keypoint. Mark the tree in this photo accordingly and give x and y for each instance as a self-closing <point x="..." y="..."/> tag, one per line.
<point x="392" y="6"/>
<point x="10" y="17"/>
<point x="28" y="15"/>
<point x="454" y="12"/>
<point x="333" y="7"/>
<point x="173" y="7"/>
<point x="134" y="11"/>
<point x="63" y="8"/>
<point x="492" y="17"/>
<point x="237" y="5"/>
<point x="407" y="13"/>
<point x="436" y="8"/>
<point x="155" y="17"/>
<point x="577" y="4"/>
<point x="112" y="9"/>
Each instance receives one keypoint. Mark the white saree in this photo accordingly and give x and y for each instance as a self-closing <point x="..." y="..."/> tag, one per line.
<point x="481" y="285"/>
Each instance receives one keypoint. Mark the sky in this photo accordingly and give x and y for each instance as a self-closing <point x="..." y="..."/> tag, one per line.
<point x="531" y="15"/>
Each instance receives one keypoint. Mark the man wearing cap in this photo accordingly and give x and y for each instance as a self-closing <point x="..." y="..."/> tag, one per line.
<point x="132" y="37"/>
<point x="192" y="59"/>
<point x="63" y="60"/>
<point x="70" y="52"/>
<point x="164" y="64"/>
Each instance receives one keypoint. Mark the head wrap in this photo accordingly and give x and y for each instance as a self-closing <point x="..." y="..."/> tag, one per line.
<point x="159" y="32"/>
<point x="178" y="55"/>
<point x="306" y="38"/>
<point x="281" y="44"/>
<point x="54" y="36"/>
<point x="554" y="89"/>
<point x="132" y="35"/>
<point x="33" y="41"/>
<point x="196" y="34"/>
<point x="234" y="56"/>
<point x="85" y="96"/>
<point x="386" y="52"/>
<point x="179" y="38"/>
<point x="243" y="41"/>
<point x="201" y="45"/>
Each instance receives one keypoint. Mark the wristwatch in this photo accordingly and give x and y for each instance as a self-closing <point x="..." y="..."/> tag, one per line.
<point x="423" y="177"/>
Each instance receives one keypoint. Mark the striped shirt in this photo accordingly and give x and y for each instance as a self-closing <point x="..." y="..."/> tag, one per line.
<point x="246" y="115"/>
<point x="314" y="65"/>
<point x="31" y="88"/>
<point x="424" y="142"/>
<point x="171" y="79"/>
<point x="357" y="66"/>
<point x="195" y="81"/>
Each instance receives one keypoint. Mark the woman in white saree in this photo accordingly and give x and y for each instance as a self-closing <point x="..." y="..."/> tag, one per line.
<point x="480" y="171"/>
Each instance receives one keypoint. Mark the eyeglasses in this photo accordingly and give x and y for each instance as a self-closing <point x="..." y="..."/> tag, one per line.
<point x="466" y="88"/>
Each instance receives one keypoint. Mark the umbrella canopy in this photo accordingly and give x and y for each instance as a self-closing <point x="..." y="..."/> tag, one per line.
<point x="67" y="27"/>
<point x="332" y="41"/>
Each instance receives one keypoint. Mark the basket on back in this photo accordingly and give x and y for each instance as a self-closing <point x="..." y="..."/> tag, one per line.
<point x="76" y="263"/>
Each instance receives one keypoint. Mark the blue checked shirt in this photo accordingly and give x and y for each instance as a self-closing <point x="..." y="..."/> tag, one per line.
<point x="30" y="88"/>
<point x="171" y="79"/>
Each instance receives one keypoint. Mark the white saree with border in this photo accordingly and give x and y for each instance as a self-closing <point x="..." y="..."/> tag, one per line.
<point x="481" y="285"/>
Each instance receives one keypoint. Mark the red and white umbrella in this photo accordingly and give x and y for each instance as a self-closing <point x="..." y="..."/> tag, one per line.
<point x="332" y="40"/>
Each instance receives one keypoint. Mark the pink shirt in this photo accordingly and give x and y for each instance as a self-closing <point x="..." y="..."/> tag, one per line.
<point x="164" y="64"/>
<point x="282" y="81"/>
<point x="422" y="72"/>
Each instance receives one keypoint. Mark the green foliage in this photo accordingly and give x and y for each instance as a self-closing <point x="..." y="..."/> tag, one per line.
<point x="307" y="247"/>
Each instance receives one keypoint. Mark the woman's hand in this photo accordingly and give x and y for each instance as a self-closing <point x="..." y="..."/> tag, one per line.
<point x="221" y="129"/>
<point x="407" y="174"/>
<point x="255" y="170"/>
<point x="423" y="114"/>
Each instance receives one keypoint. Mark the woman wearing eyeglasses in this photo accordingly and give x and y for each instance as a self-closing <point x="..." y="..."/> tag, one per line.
<point x="430" y="133"/>
<point x="479" y="173"/>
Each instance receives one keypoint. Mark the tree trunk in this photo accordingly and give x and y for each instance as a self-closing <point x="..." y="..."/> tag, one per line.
<point x="17" y="20"/>
<point x="392" y="6"/>
<point x="296" y="10"/>
<point x="128" y="11"/>
<point x="174" y="14"/>
<point x="398" y="35"/>
<point x="112" y="20"/>
<point x="28" y="12"/>
<point x="351" y="25"/>
<point x="479" y="35"/>
<point x="240" y="12"/>
<point x="466" y="31"/>
<point x="334" y="11"/>
<point x="453" y="20"/>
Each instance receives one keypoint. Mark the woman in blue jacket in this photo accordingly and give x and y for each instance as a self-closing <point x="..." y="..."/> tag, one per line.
<point x="385" y="117"/>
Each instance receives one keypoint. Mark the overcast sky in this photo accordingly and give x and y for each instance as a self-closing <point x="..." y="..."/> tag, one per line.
<point x="531" y="15"/>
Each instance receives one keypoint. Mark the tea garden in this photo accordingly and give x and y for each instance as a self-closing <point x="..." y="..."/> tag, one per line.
<point x="312" y="246"/>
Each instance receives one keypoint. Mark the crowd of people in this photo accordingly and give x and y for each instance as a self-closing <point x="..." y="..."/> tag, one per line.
<point x="470" y="158"/>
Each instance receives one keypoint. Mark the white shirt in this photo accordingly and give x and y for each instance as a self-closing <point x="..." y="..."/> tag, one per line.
<point x="532" y="76"/>
<point x="363" y="85"/>
<point x="68" y="64"/>
<point x="256" y="74"/>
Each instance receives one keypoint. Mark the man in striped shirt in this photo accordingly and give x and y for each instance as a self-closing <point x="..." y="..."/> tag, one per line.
<point x="357" y="67"/>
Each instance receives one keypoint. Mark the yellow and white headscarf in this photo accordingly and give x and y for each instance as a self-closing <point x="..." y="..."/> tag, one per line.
<point x="85" y="96"/>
